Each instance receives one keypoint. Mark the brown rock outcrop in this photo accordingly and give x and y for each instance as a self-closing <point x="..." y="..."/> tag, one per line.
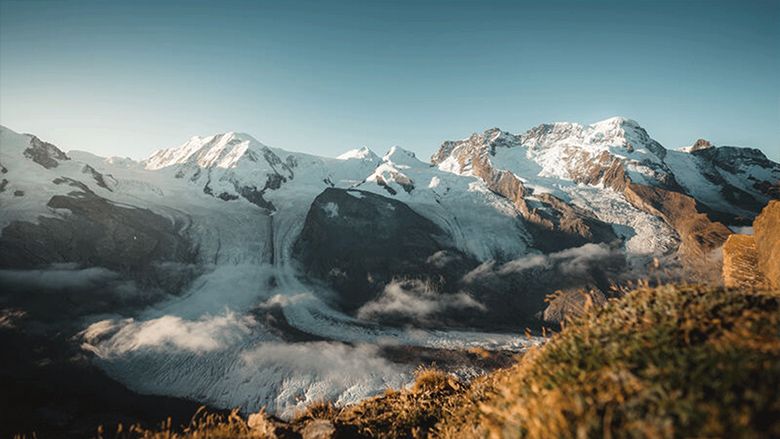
<point x="701" y="144"/>
<point x="319" y="429"/>
<point x="605" y="169"/>
<point x="554" y="224"/>
<point x="698" y="234"/>
<point x="766" y="229"/>
<point x="740" y="262"/>
<point x="755" y="260"/>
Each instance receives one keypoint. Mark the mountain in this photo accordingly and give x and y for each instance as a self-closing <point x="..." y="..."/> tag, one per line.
<point x="691" y="192"/>
<point x="237" y="274"/>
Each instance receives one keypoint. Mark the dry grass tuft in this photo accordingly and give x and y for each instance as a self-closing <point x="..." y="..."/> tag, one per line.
<point x="409" y="412"/>
<point x="318" y="410"/>
<point x="431" y="380"/>
<point x="204" y="425"/>
<point x="671" y="361"/>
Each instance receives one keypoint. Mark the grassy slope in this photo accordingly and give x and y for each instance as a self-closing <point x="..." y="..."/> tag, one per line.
<point x="669" y="361"/>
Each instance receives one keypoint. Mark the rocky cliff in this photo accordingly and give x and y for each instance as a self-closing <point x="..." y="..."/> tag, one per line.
<point x="755" y="260"/>
<point x="766" y="229"/>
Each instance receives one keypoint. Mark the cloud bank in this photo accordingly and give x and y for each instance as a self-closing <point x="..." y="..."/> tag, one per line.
<point x="112" y="338"/>
<point x="417" y="300"/>
<point x="575" y="261"/>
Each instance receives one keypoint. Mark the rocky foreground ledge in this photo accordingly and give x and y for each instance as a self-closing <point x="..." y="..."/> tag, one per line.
<point x="672" y="361"/>
<point x="754" y="260"/>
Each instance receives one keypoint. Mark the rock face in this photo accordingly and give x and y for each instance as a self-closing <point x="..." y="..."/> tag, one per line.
<point x="375" y="251"/>
<point x="696" y="191"/>
<point x="755" y="260"/>
<point x="44" y="154"/>
<point x="616" y="154"/>
<point x="554" y="224"/>
<point x="97" y="233"/>
<point x="699" y="145"/>
<point x="357" y="242"/>
<point x="699" y="235"/>
<point x="766" y="229"/>
<point x="740" y="262"/>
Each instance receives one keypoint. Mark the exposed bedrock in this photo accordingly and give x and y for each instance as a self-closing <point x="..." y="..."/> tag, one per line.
<point x="699" y="235"/>
<point x="766" y="229"/>
<point x="755" y="260"/>
<point x="95" y="232"/>
<point x="554" y="224"/>
<point x="740" y="262"/>
<point x="357" y="242"/>
<point x="389" y="264"/>
<point x="44" y="153"/>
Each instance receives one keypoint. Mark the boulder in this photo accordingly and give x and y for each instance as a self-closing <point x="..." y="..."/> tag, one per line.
<point x="319" y="429"/>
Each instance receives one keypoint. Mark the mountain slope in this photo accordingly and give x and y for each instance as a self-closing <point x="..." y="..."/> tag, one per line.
<point x="258" y="255"/>
<point x="690" y="192"/>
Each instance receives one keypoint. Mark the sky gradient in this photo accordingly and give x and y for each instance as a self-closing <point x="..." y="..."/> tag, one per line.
<point x="127" y="78"/>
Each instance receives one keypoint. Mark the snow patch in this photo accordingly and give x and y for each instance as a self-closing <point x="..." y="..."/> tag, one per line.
<point x="331" y="209"/>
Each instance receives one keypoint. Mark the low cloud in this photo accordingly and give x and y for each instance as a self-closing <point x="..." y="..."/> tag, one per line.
<point x="58" y="277"/>
<point x="442" y="258"/>
<point x="514" y="291"/>
<point x="571" y="262"/>
<point x="64" y="291"/>
<point x="111" y="338"/>
<point x="417" y="300"/>
<point x="328" y="361"/>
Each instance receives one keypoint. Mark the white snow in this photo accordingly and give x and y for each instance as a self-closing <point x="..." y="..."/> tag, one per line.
<point x="742" y="230"/>
<point x="331" y="209"/>
<point x="644" y="234"/>
<point x="543" y="159"/>
<point x="687" y="171"/>
<point x="363" y="153"/>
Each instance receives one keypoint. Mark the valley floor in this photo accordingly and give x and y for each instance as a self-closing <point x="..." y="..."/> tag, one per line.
<point x="671" y="361"/>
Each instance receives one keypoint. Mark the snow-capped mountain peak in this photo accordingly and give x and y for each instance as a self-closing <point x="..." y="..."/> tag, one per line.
<point x="623" y="132"/>
<point x="557" y="150"/>
<point x="402" y="158"/>
<point x="616" y="121"/>
<point x="220" y="150"/>
<point x="364" y="153"/>
<point x="617" y="132"/>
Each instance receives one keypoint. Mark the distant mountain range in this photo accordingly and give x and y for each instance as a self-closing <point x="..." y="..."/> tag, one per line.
<point x="226" y="248"/>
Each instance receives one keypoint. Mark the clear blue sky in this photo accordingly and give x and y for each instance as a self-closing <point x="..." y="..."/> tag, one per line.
<point x="127" y="78"/>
